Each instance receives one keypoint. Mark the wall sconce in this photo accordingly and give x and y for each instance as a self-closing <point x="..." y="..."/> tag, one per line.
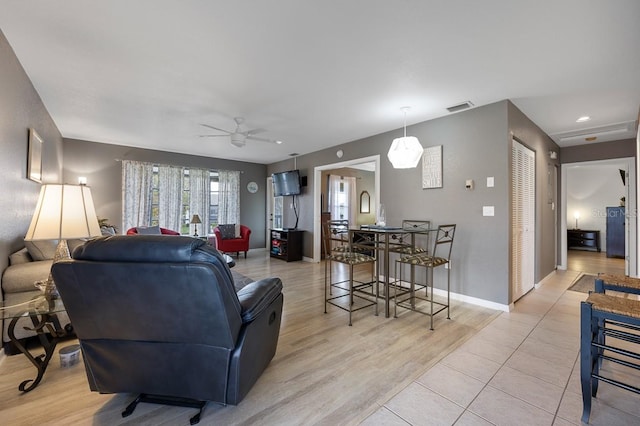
<point x="553" y="155"/>
<point x="576" y="215"/>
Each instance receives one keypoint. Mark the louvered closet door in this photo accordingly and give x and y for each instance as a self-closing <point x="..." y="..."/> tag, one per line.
<point x="522" y="219"/>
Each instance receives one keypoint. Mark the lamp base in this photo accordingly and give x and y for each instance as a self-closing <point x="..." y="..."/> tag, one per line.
<point x="61" y="253"/>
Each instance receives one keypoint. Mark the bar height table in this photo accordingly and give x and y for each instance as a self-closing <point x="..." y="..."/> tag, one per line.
<point x="383" y="239"/>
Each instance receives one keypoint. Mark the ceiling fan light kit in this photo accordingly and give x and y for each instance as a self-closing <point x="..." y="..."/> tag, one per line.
<point x="405" y="152"/>
<point x="238" y="139"/>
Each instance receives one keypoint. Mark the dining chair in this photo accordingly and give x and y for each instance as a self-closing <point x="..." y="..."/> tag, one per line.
<point x="352" y="292"/>
<point x="439" y="257"/>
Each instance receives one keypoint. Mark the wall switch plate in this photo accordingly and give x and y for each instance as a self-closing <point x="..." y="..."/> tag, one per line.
<point x="488" y="211"/>
<point x="490" y="182"/>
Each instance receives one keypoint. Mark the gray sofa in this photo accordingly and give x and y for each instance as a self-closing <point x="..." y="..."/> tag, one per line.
<point x="26" y="266"/>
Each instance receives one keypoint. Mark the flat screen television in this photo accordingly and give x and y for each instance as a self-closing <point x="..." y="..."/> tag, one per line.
<point x="286" y="183"/>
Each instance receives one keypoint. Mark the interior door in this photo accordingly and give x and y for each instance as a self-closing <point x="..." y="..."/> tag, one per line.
<point x="523" y="178"/>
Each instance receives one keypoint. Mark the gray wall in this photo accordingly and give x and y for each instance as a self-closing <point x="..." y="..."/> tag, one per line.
<point x="99" y="163"/>
<point x="20" y="109"/>
<point x="547" y="214"/>
<point x="598" y="151"/>
<point x="476" y="145"/>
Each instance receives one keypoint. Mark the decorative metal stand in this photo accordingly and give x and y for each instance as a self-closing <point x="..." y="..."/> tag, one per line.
<point x="47" y="326"/>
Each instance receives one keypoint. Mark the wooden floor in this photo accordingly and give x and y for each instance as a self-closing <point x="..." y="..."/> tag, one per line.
<point x="324" y="371"/>
<point x="591" y="262"/>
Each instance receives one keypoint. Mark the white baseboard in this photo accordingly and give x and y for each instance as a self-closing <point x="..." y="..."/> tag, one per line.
<point x="473" y="300"/>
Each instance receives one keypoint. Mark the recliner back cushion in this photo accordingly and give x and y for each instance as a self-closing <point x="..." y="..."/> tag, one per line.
<point x="150" y="288"/>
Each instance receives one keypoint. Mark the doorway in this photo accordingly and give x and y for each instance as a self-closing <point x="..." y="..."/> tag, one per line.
<point x="317" y="191"/>
<point x="591" y="190"/>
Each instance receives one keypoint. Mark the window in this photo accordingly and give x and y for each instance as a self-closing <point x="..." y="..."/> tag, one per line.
<point x="168" y="196"/>
<point x="185" y="214"/>
<point x="214" y="196"/>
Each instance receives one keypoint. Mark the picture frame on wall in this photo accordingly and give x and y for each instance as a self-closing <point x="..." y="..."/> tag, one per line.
<point x="432" y="167"/>
<point x="34" y="162"/>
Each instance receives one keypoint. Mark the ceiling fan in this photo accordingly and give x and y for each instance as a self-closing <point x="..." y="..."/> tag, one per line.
<point x="238" y="136"/>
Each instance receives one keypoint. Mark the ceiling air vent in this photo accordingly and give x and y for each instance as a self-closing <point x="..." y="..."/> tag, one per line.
<point x="460" y="107"/>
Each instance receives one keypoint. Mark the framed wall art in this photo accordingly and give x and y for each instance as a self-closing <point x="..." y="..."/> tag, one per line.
<point x="432" y="167"/>
<point x="34" y="162"/>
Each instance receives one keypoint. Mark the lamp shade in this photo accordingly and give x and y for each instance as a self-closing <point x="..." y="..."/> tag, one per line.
<point x="405" y="152"/>
<point x="195" y="219"/>
<point x="63" y="212"/>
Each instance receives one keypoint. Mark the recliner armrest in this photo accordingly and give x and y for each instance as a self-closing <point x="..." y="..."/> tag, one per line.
<point x="255" y="297"/>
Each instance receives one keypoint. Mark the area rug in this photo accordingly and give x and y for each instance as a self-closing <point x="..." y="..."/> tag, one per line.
<point x="584" y="284"/>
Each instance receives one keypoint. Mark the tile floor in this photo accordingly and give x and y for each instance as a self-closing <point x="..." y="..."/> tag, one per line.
<point x="522" y="369"/>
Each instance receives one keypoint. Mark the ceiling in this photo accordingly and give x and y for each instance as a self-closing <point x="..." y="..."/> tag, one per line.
<point x="148" y="73"/>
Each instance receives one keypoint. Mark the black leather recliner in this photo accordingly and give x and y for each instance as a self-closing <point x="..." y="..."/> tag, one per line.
<point x="159" y="315"/>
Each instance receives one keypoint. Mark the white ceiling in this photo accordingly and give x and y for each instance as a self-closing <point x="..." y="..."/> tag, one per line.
<point x="316" y="74"/>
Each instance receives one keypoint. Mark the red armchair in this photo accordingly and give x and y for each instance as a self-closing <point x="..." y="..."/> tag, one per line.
<point x="230" y="245"/>
<point x="163" y="231"/>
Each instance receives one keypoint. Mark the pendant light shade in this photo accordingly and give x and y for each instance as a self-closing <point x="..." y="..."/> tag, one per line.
<point x="405" y="152"/>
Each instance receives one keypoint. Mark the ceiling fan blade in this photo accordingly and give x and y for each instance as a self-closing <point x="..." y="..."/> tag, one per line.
<point x="216" y="128"/>
<point x="253" y="138"/>
<point x="255" y="131"/>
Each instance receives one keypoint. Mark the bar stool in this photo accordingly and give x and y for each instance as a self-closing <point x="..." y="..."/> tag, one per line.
<point x="339" y="235"/>
<point x="621" y="283"/>
<point x="597" y="316"/>
<point x="441" y="256"/>
<point x="350" y="288"/>
<point x="412" y="229"/>
<point x="408" y="244"/>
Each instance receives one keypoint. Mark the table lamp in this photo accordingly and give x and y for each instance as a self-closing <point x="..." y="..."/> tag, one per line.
<point x="195" y="219"/>
<point x="63" y="212"/>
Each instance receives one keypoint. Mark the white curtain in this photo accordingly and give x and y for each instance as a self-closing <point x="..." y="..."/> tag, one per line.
<point x="342" y="198"/>
<point x="229" y="207"/>
<point x="200" y="194"/>
<point x="170" y="197"/>
<point x="136" y="193"/>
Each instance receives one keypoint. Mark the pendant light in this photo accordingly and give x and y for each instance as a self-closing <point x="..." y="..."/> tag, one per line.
<point x="405" y="152"/>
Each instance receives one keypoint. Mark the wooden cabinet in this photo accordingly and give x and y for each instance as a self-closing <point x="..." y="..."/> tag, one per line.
<point x="615" y="232"/>
<point x="583" y="239"/>
<point x="286" y="244"/>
